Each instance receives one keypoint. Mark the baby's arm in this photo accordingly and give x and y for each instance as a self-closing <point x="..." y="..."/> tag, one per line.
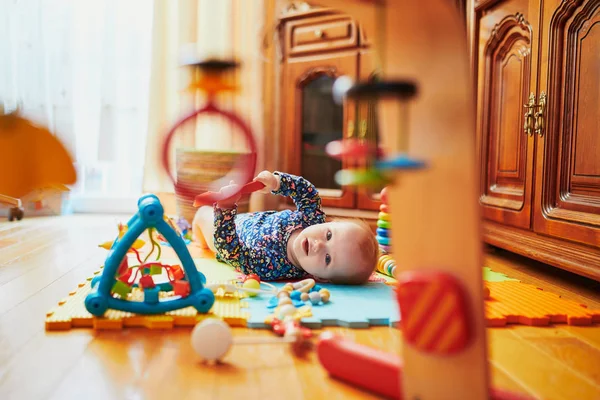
<point x="303" y="193"/>
<point x="227" y="243"/>
<point x="226" y="240"/>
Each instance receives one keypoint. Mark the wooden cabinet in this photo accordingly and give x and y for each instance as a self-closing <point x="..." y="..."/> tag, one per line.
<point x="317" y="47"/>
<point x="537" y="66"/>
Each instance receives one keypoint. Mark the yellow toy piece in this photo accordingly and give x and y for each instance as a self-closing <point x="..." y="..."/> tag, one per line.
<point x="138" y="244"/>
<point x="31" y="157"/>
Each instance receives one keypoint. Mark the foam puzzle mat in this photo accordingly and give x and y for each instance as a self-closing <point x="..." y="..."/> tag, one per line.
<point x="71" y="313"/>
<point x="362" y="306"/>
<point x="372" y="304"/>
<point x="514" y="302"/>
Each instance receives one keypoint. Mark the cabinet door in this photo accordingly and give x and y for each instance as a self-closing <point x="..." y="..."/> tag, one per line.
<point x="506" y="40"/>
<point x="312" y="119"/>
<point x="366" y="122"/>
<point x="567" y="202"/>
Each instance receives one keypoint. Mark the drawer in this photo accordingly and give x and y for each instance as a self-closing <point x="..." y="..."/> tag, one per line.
<point x="321" y="34"/>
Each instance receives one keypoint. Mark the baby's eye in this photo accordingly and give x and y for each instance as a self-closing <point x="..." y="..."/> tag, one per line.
<point x="328" y="235"/>
<point x="327" y="259"/>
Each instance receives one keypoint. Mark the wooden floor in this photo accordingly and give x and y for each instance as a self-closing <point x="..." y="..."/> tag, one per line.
<point x="42" y="259"/>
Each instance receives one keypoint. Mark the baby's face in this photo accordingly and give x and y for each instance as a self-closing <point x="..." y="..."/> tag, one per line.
<point x="328" y="250"/>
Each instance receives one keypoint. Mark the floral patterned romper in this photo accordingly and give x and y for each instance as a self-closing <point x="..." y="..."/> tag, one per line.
<point x="256" y="243"/>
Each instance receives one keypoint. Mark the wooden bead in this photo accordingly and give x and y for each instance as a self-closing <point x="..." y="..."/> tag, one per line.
<point x="288" y="287"/>
<point x="315" y="298"/>
<point x="304" y="296"/>
<point x="325" y="295"/>
<point x="284" y="300"/>
<point x="283" y="294"/>
<point x="286" y="310"/>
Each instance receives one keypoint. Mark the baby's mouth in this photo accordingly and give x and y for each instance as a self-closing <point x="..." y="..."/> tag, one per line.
<point x="305" y="246"/>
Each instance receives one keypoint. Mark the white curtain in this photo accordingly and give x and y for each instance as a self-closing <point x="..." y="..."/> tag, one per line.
<point x="82" y="68"/>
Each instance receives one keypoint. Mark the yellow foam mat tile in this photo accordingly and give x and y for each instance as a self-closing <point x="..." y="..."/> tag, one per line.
<point x="71" y="313"/>
<point x="514" y="302"/>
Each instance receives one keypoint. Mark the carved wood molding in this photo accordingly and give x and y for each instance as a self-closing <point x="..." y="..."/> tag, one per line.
<point x="505" y="25"/>
<point x="316" y="72"/>
<point x="582" y="260"/>
<point x="563" y="74"/>
<point x="507" y="33"/>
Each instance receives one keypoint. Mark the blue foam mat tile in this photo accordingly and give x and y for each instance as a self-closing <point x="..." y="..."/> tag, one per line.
<point x="371" y="304"/>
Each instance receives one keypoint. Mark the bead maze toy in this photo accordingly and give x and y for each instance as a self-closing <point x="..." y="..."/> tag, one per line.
<point x="112" y="287"/>
<point x="212" y="81"/>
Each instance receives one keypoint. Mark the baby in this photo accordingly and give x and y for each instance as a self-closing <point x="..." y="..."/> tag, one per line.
<point x="288" y="244"/>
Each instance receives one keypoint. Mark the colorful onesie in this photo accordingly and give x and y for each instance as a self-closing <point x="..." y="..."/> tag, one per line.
<point x="256" y="243"/>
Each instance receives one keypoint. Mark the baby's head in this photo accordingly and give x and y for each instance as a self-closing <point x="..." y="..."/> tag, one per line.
<point x="342" y="251"/>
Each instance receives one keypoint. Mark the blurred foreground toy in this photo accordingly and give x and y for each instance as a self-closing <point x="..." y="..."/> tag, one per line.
<point x="31" y="158"/>
<point x="210" y="77"/>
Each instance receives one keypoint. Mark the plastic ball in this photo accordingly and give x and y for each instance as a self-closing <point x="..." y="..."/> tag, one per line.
<point x="211" y="339"/>
<point x="325" y="295"/>
<point x="286" y="310"/>
<point x="251" y="284"/>
<point x="340" y="87"/>
<point x="314" y="297"/>
<point x="304" y="297"/>
<point x="295" y="295"/>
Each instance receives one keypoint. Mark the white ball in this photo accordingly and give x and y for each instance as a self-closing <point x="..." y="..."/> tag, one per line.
<point x="212" y="339"/>
<point x="340" y="87"/>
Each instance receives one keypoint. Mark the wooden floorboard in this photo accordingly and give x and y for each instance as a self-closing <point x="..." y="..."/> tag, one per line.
<point x="42" y="259"/>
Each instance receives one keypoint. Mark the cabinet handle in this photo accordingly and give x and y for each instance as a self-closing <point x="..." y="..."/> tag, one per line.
<point x="319" y="33"/>
<point x="540" y="115"/>
<point x="528" y="125"/>
<point x="350" y="129"/>
<point x="362" y="132"/>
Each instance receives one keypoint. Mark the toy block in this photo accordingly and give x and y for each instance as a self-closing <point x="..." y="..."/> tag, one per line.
<point x="121" y="288"/>
<point x="181" y="288"/>
<point x="147" y="282"/>
<point x="125" y="276"/>
<point x="177" y="272"/>
<point x="151" y="295"/>
<point x="155" y="269"/>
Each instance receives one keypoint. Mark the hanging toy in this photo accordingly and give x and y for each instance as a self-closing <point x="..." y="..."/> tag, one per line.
<point x="211" y="79"/>
<point x="374" y="168"/>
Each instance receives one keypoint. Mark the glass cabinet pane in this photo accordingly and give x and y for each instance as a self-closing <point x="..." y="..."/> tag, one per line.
<point x="322" y="122"/>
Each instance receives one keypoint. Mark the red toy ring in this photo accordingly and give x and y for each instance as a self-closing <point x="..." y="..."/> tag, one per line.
<point x="245" y="166"/>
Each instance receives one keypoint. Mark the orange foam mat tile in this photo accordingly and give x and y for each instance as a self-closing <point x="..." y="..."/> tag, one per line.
<point x="514" y="302"/>
<point x="71" y="313"/>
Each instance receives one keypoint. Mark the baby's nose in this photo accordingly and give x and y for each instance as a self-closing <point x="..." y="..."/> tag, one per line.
<point x="316" y="245"/>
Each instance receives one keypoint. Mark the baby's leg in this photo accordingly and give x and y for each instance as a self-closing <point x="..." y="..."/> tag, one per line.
<point x="203" y="228"/>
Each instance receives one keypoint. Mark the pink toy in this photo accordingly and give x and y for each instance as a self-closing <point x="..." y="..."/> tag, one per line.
<point x="374" y="370"/>
<point x="208" y="198"/>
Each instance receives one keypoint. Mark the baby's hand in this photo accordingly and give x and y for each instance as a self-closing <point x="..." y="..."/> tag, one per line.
<point x="227" y="192"/>
<point x="268" y="179"/>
